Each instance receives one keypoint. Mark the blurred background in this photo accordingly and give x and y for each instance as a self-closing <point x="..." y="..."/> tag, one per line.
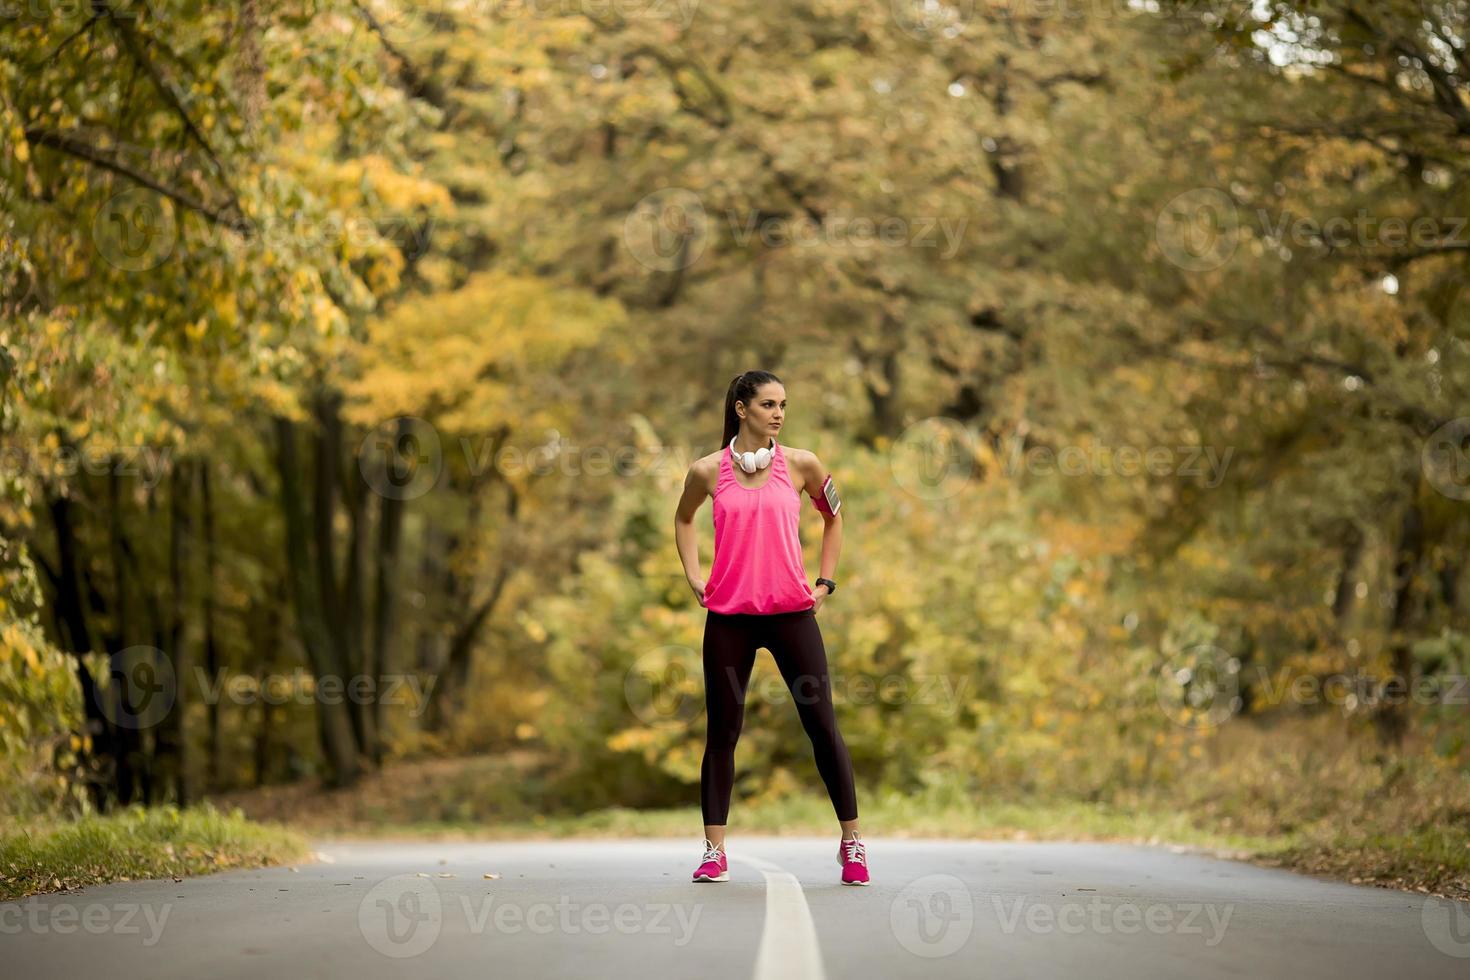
<point x="354" y="354"/>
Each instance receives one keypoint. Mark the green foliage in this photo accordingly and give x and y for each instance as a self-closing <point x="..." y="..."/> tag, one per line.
<point x="40" y="713"/>
<point x="138" y="843"/>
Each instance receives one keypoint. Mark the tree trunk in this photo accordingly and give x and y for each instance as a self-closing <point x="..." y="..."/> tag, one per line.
<point x="132" y="781"/>
<point x="75" y="636"/>
<point x="1346" y="594"/>
<point x="171" y="747"/>
<point x="881" y="381"/>
<point x="352" y="613"/>
<point x="342" y="595"/>
<point x="390" y="536"/>
<point x="456" y="671"/>
<point x="266" y="640"/>
<point x="339" y="746"/>
<point x="211" y="643"/>
<point x="1391" y="716"/>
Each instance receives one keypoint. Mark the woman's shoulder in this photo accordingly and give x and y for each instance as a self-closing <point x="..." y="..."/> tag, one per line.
<point x="705" y="471"/>
<point x="802" y="462"/>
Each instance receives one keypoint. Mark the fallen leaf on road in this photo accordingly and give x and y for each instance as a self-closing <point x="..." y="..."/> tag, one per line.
<point x="491" y="874"/>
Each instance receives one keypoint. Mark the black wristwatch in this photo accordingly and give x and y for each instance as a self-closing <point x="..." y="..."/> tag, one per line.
<point x="831" y="585"/>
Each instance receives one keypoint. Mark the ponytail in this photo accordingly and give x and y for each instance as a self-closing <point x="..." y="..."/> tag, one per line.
<point x="742" y="389"/>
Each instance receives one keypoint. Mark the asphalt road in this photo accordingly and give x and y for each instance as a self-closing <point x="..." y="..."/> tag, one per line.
<point x="627" y="909"/>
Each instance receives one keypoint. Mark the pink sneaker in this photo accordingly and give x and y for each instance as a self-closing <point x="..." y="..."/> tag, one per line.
<point x="853" y="857"/>
<point x="715" y="867"/>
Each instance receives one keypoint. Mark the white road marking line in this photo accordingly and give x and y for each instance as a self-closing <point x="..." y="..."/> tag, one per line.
<point x="788" y="949"/>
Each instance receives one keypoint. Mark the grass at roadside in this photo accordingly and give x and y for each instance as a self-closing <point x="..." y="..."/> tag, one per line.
<point x="1287" y="808"/>
<point x="1436" y="862"/>
<point x="887" y="815"/>
<point x="163" y="842"/>
<point x="505" y="796"/>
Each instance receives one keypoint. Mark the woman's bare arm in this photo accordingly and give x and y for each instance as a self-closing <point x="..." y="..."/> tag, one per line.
<point x="697" y="486"/>
<point x="812" y="473"/>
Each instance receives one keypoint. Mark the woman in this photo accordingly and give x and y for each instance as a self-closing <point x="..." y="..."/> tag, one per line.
<point x="757" y="596"/>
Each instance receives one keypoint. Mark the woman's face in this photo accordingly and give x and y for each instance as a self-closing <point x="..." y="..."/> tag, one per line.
<point x="766" y="410"/>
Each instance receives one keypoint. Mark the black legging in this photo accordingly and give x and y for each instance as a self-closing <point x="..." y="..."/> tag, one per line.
<point x="795" y="641"/>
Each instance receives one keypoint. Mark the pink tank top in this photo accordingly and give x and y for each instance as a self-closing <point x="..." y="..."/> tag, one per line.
<point x="757" y="566"/>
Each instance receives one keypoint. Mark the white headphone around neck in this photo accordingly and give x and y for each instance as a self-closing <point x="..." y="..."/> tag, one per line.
<point x="758" y="460"/>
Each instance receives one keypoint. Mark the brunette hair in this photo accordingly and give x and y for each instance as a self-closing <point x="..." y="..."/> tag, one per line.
<point x="742" y="389"/>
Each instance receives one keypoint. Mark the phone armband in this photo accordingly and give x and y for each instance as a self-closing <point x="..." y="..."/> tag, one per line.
<point x="827" y="501"/>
